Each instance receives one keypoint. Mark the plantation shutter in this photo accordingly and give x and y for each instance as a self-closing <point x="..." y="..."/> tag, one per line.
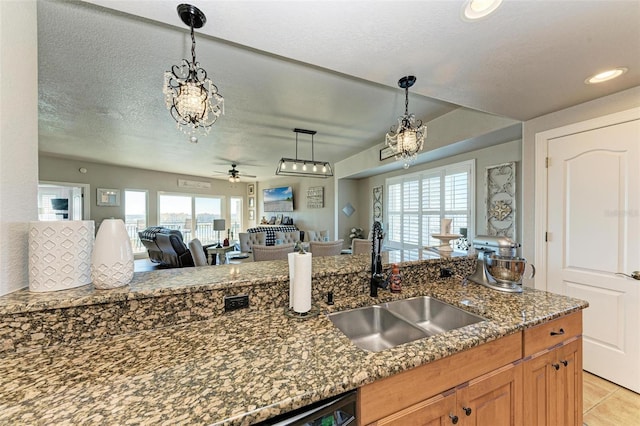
<point x="417" y="203"/>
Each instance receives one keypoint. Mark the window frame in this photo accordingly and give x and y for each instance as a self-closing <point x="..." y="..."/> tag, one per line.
<point x="468" y="166"/>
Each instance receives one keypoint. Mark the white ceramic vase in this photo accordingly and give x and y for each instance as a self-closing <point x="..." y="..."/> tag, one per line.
<point x="112" y="258"/>
<point x="60" y="254"/>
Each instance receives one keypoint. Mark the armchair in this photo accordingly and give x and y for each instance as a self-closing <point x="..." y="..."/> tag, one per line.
<point x="166" y="247"/>
<point x="360" y="246"/>
<point x="279" y="252"/>
<point x="326" y="248"/>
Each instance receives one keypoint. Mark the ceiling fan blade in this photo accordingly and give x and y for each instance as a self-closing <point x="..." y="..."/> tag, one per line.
<point x="246" y="175"/>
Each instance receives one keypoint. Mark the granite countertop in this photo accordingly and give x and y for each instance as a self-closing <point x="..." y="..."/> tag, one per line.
<point x="241" y="367"/>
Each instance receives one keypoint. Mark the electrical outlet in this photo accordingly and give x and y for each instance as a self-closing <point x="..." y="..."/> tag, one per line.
<point x="445" y="273"/>
<point x="240" y="301"/>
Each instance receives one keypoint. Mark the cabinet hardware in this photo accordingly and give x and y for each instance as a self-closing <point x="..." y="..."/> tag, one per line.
<point x="564" y="363"/>
<point x="556" y="366"/>
<point x="454" y="419"/>
<point x="558" y="333"/>
<point x="467" y="410"/>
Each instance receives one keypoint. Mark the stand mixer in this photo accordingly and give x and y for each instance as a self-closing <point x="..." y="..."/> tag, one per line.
<point x="498" y="267"/>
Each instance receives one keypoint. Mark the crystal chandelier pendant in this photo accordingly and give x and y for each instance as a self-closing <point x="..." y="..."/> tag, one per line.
<point x="190" y="96"/>
<point x="407" y="139"/>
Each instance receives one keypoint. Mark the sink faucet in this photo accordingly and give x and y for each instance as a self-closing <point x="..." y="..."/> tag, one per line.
<point x="377" y="278"/>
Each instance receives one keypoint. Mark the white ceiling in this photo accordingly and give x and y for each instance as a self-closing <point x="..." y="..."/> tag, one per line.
<point x="330" y="66"/>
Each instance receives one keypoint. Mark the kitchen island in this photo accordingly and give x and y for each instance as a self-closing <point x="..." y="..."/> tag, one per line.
<point x="231" y="368"/>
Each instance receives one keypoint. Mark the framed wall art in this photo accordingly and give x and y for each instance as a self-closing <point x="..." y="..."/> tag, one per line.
<point x="500" y="199"/>
<point x="251" y="189"/>
<point x="386" y="153"/>
<point x="315" y="197"/>
<point x="108" y="197"/>
<point x="377" y="203"/>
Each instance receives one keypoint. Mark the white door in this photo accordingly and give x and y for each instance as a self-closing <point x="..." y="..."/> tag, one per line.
<point x="593" y="220"/>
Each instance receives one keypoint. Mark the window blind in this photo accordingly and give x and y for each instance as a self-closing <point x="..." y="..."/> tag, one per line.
<point x="418" y="202"/>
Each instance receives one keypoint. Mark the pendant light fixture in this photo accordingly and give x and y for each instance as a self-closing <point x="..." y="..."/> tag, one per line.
<point x="299" y="167"/>
<point x="407" y="139"/>
<point x="191" y="97"/>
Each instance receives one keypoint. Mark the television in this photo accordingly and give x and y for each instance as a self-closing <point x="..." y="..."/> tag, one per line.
<point x="278" y="199"/>
<point x="60" y="203"/>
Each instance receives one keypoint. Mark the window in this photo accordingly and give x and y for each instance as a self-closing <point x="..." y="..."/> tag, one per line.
<point x="418" y="202"/>
<point x="235" y="211"/>
<point x="135" y="216"/>
<point x="191" y="215"/>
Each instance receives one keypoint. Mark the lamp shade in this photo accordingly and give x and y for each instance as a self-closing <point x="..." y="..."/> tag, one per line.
<point x="218" y="225"/>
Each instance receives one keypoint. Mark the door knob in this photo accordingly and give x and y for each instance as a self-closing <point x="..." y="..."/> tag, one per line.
<point x="635" y="275"/>
<point x="564" y="363"/>
<point x="454" y="419"/>
<point x="467" y="410"/>
<point x="556" y="366"/>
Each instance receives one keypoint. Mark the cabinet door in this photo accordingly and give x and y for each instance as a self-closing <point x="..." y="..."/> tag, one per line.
<point x="553" y="387"/>
<point x="436" y="411"/>
<point x="568" y="384"/>
<point x="493" y="399"/>
<point x="537" y="380"/>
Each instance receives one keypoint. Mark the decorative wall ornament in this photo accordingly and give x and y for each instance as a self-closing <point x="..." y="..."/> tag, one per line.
<point x="193" y="184"/>
<point x="60" y="254"/>
<point x="500" y="193"/>
<point x="315" y="197"/>
<point x="112" y="257"/>
<point x="348" y="210"/>
<point x="377" y="203"/>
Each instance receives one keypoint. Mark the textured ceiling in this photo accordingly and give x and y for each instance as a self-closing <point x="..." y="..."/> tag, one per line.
<point x="330" y="66"/>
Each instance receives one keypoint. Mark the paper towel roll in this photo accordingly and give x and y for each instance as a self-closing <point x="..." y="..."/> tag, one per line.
<point x="302" y="283"/>
<point x="60" y="254"/>
<point x="291" y="275"/>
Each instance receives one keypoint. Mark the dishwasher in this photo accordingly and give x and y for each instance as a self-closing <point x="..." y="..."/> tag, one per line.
<point x="336" y="411"/>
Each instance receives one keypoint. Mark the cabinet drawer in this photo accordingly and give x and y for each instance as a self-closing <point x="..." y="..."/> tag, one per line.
<point x="546" y="335"/>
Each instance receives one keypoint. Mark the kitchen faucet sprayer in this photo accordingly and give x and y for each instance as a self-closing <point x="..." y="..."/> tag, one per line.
<point x="377" y="278"/>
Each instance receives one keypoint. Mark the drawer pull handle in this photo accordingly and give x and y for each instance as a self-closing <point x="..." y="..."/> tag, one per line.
<point x="558" y="333"/>
<point x="467" y="410"/>
<point x="564" y="363"/>
<point x="556" y="366"/>
<point x="454" y="419"/>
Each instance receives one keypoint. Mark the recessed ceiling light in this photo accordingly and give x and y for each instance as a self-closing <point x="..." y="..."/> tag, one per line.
<point x="606" y="75"/>
<point x="476" y="9"/>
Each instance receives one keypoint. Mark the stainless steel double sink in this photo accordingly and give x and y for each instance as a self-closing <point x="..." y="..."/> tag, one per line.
<point x="378" y="327"/>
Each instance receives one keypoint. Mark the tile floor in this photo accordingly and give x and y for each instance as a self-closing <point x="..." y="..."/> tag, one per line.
<point x="607" y="404"/>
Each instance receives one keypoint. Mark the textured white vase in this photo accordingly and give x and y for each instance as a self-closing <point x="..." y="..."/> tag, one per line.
<point x="112" y="258"/>
<point x="60" y="254"/>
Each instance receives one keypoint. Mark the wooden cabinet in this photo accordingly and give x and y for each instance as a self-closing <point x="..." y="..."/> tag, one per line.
<point x="492" y="399"/>
<point x="436" y="411"/>
<point x="530" y="378"/>
<point x="553" y="373"/>
<point x="380" y="402"/>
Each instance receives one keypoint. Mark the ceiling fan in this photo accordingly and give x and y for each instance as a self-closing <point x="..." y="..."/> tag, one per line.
<point x="235" y="174"/>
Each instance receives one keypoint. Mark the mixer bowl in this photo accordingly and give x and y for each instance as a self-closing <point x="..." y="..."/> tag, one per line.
<point x="508" y="269"/>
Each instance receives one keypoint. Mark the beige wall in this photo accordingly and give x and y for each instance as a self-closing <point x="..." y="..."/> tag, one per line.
<point x="18" y="138"/>
<point x="303" y="217"/>
<point x="617" y="102"/>
<point x="116" y="177"/>
<point x="506" y="152"/>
